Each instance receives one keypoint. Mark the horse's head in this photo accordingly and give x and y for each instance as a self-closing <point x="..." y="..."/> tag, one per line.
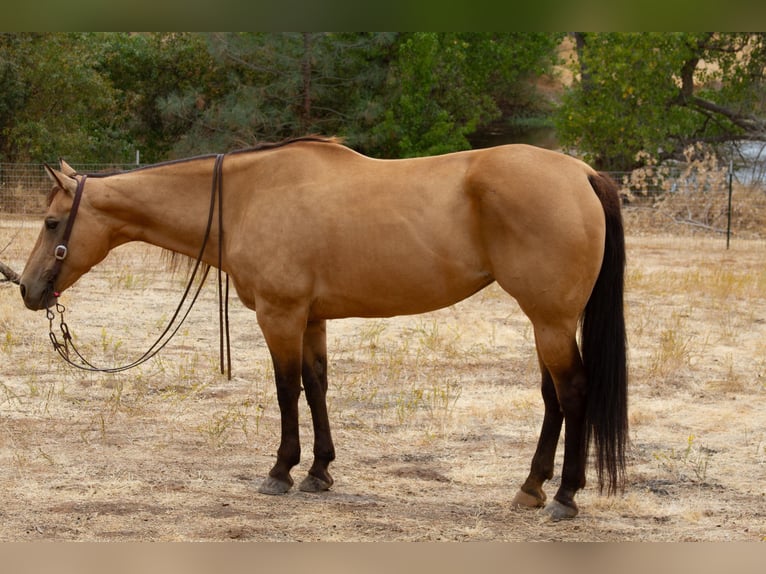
<point x="55" y="262"/>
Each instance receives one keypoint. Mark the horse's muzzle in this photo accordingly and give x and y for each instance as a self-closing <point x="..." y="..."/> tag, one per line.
<point x="37" y="299"/>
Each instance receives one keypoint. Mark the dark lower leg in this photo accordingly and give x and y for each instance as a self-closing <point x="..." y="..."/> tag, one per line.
<point x="543" y="459"/>
<point x="289" y="452"/>
<point x="575" y="444"/>
<point x="315" y="384"/>
<point x="558" y="350"/>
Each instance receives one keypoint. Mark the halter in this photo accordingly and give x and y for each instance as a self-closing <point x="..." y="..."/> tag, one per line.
<point x="61" y="251"/>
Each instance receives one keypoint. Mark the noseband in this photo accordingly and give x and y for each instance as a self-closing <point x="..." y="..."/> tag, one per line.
<point x="61" y="251"/>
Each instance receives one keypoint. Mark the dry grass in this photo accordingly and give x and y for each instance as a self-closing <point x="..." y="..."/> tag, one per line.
<point x="435" y="416"/>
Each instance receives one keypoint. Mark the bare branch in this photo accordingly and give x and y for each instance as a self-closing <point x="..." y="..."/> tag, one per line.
<point x="755" y="127"/>
<point x="746" y="122"/>
<point x="10" y="274"/>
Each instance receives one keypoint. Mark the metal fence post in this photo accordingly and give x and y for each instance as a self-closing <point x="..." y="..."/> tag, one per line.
<point x="728" y="211"/>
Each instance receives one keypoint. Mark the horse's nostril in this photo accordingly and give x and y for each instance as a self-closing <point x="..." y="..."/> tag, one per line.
<point x="23" y="290"/>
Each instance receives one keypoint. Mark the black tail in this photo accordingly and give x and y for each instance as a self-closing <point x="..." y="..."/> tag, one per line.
<point x="604" y="347"/>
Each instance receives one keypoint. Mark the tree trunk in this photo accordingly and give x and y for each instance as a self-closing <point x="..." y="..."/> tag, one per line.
<point x="306" y="74"/>
<point x="580" y="42"/>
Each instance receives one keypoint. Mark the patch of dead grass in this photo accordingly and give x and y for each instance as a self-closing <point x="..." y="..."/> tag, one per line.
<point x="435" y="417"/>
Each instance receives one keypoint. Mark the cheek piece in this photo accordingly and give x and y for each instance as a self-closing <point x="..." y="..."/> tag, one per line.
<point x="61" y="250"/>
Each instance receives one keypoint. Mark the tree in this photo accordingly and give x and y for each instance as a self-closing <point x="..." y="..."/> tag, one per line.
<point x="389" y="95"/>
<point x="283" y="85"/>
<point x="146" y="70"/>
<point x="52" y="101"/>
<point x="446" y="85"/>
<point x="97" y="97"/>
<point x="661" y="92"/>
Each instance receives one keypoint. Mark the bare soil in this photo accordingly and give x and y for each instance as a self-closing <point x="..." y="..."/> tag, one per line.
<point x="435" y="416"/>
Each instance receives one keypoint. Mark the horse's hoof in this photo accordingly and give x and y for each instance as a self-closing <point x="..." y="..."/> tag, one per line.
<point x="558" y="511"/>
<point x="274" y="486"/>
<point x="526" y="500"/>
<point x="314" y="484"/>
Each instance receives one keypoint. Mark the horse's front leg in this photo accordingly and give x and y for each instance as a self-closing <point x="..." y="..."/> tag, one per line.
<point x="283" y="332"/>
<point x="315" y="385"/>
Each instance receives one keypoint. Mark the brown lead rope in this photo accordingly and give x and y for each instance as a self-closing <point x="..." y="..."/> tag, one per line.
<point x="63" y="348"/>
<point x="223" y="297"/>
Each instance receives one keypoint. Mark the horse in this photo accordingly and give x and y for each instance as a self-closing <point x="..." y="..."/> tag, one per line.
<point x="310" y="230"/>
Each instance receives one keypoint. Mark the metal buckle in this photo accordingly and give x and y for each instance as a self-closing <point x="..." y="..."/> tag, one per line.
<point x="60" y="252"/>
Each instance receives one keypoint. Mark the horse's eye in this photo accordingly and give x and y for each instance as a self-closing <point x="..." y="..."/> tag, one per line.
<point x="51" y="223"/>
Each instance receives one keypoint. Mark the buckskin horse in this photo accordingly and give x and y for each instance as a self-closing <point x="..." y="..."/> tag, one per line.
<point x="310" y="230"/>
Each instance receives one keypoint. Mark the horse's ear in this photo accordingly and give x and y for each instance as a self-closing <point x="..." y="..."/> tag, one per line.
<point x="68" y="184"/>
<point x="67" y="169"/>
<point x="53" y="175"/>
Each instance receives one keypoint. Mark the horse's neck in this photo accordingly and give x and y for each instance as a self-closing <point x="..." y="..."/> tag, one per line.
<point x="160" y="208"/>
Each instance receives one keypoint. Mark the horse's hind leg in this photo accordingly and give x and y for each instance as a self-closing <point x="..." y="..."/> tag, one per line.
<point x="531" y="493"/>
<point x="557" y="348"/>
<point x="315" y="385"/>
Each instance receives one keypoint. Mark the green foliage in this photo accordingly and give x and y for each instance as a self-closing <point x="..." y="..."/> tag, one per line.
<point x="148" y="69"/>
<point x="659" y="93"/>
<point x="423" y="117"/>
<point x="284" y="85"/>
<point x="446" y="85"/>
<point x="100" y="96"/>
<point x="621" y="107"/>
<point x="52" y="101"/>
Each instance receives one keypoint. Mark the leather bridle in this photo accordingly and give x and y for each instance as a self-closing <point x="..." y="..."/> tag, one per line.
<point x="62" y="250"/>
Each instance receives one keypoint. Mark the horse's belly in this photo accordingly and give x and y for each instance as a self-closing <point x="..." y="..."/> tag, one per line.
<point x="395" y="295"/>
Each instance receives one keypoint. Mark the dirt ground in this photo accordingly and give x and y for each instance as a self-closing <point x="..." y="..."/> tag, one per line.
<point x="435" y="416"/>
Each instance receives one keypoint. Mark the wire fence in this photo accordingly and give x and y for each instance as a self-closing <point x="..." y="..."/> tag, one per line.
<point x="25" y="186"/>
<point x="697" y="196"/>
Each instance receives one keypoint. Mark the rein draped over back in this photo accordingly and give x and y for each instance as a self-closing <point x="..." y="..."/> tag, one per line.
<point x="61" y="251"/>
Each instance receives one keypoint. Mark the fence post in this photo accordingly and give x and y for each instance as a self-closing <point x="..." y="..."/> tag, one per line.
<point x="728" y="211"/>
